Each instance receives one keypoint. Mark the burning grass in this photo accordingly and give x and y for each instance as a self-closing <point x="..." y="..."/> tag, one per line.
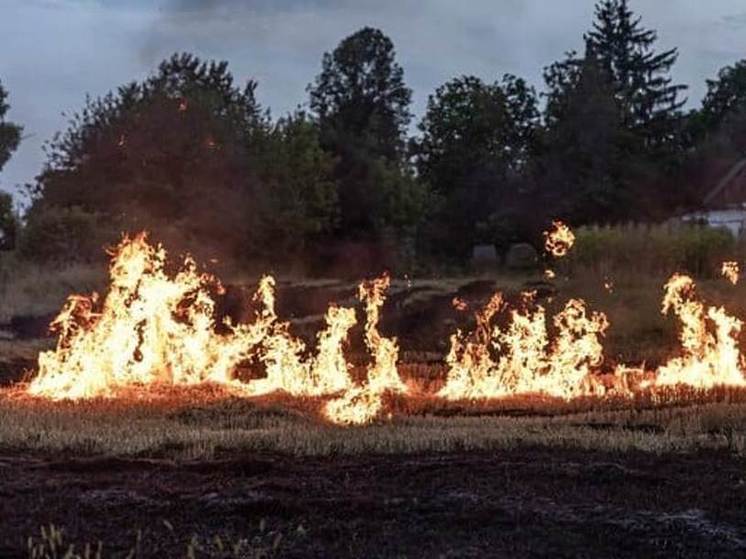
<point x="155" y="337"/>
<point x="205" y="422"/>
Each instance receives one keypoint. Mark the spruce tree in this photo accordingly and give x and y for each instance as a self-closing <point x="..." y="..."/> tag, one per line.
<point x="648" y="98"/>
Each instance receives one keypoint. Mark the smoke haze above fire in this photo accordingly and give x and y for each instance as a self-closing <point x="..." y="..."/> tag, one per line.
<point x="56" y="51"/>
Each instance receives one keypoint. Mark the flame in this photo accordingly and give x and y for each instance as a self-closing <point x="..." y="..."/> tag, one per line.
<point x="283" y="355"/>
<point x="549" y="274"/>
<point x="709" y="341"/>
<point x="361" y="403"/>
<point x="559" y="239"/>
<point x="152" y="328"/>
<point x="526" y="362"/>
<point x="156" y="327"/>
<point x="730" y="271"/>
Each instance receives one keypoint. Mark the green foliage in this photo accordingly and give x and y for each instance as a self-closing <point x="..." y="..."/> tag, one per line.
<point x="583" y="157"/>
<point x="10" y="134"/>
<point x="726" y="94"/>
<point x="475" y="137"/>
<point x="299" y="202"/>
<point x="8" y="222"/>
<point x="360" y="95"/>
<point x="63" y="235"/>
<point x="169" y="153"/>
<point x="653" y="249"/>
<point x="362" y="107"/>
<point x="613" y="125"/>
<point x="648" y="100"/>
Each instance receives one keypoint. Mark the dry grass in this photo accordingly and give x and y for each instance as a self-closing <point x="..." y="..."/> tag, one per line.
<point x="201" y="424"/>
<point x="31" y="289"/>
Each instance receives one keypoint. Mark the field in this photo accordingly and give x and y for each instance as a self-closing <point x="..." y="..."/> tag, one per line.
<point x="206" y="472"/>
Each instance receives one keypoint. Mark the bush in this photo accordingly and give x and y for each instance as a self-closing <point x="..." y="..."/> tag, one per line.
<point x="63" y="235"/>
<point x="657" y="249"/>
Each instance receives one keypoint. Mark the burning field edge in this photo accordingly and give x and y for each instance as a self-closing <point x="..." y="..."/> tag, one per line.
<point x="208" y="422"/>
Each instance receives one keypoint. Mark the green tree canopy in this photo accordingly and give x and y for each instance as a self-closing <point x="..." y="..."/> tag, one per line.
<point x="582" y="165"/>
<point x="192" y="157"/>
<point x="647" y="96"/>
<point x="10" y="134"/>
<point x="476" y="137"/>
<point x="360" y="94"/>
<point x="361" y="105"/>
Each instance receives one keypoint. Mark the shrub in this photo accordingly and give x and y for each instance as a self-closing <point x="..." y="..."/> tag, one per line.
<point x="63" y="235"/>
<point x="657" y="249"/>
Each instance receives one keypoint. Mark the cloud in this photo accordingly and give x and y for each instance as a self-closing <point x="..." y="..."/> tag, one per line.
<point x="63" y="49"/>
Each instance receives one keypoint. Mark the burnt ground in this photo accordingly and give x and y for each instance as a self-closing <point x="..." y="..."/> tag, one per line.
<point x="519" y="503"/>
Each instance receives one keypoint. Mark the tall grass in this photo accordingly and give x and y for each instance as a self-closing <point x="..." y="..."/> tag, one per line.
<point x="653" y="249"/>
<point x="28" y="288"/>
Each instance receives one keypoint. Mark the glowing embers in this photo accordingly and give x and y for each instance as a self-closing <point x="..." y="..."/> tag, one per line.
<point x="709" y="341"/>
<point x="494" y="362"/>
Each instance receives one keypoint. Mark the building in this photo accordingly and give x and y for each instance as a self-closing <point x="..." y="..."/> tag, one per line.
<point x="725" y="205"/>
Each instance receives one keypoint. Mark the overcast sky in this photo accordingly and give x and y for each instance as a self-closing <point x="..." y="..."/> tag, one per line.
<point x="56" y="51"/>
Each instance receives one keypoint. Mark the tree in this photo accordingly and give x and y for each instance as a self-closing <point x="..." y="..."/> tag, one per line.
<point x="584" y="145"/>
<point x="360" y="94"/>
<point x="614" y="133"/>
<point x="726" y="94"/>
<point x="171" y="154"/>
<point x="722" y="117"/>
<point x="299" y="203"/>
<point x="476" y="139"/>
<point x="10" y="137"/>
<point x="10" y="134"/>
<point x="648" y="99"/>
<point x="8" y="222"/>
<point x="361" y="105"/>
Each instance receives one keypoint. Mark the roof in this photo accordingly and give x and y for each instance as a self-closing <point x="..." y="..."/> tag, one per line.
<point x="729" y="190"/>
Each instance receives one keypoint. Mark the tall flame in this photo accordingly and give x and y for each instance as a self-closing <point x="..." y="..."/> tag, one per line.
<point x="361" y="403"/>
<point x="152" y="328"/>
<point x="155" y="327"/>
<point x="709" y="341"/>
<point x="526" y="362"/>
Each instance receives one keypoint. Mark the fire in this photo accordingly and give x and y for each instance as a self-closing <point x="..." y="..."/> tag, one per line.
<point x="361" y="403"/>
<point x="283" y="355"/>
<point x="157" y="327"/>
<point x="559" y="239"/>
<point x="494" y="362"/>
<point x="709" y="341"/>
<point x="152" y="328"/>
<point x="730" y="270"/>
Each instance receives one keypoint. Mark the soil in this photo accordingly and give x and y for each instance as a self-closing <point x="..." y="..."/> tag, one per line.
<point x="519" y="503"/>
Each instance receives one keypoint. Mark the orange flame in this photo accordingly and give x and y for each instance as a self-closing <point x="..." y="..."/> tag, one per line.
<point x="361" y="403"/>
<point x="152" y="328"/>
<point x="709" y="340"/>
<point x="156" y="327"/>
<point x="559" y="239"/>
<point x="528" y="362"/>
<point x="730" y="271"/>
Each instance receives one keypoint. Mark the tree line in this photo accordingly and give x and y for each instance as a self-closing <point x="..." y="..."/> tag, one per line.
<point x="193" y="157"/>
